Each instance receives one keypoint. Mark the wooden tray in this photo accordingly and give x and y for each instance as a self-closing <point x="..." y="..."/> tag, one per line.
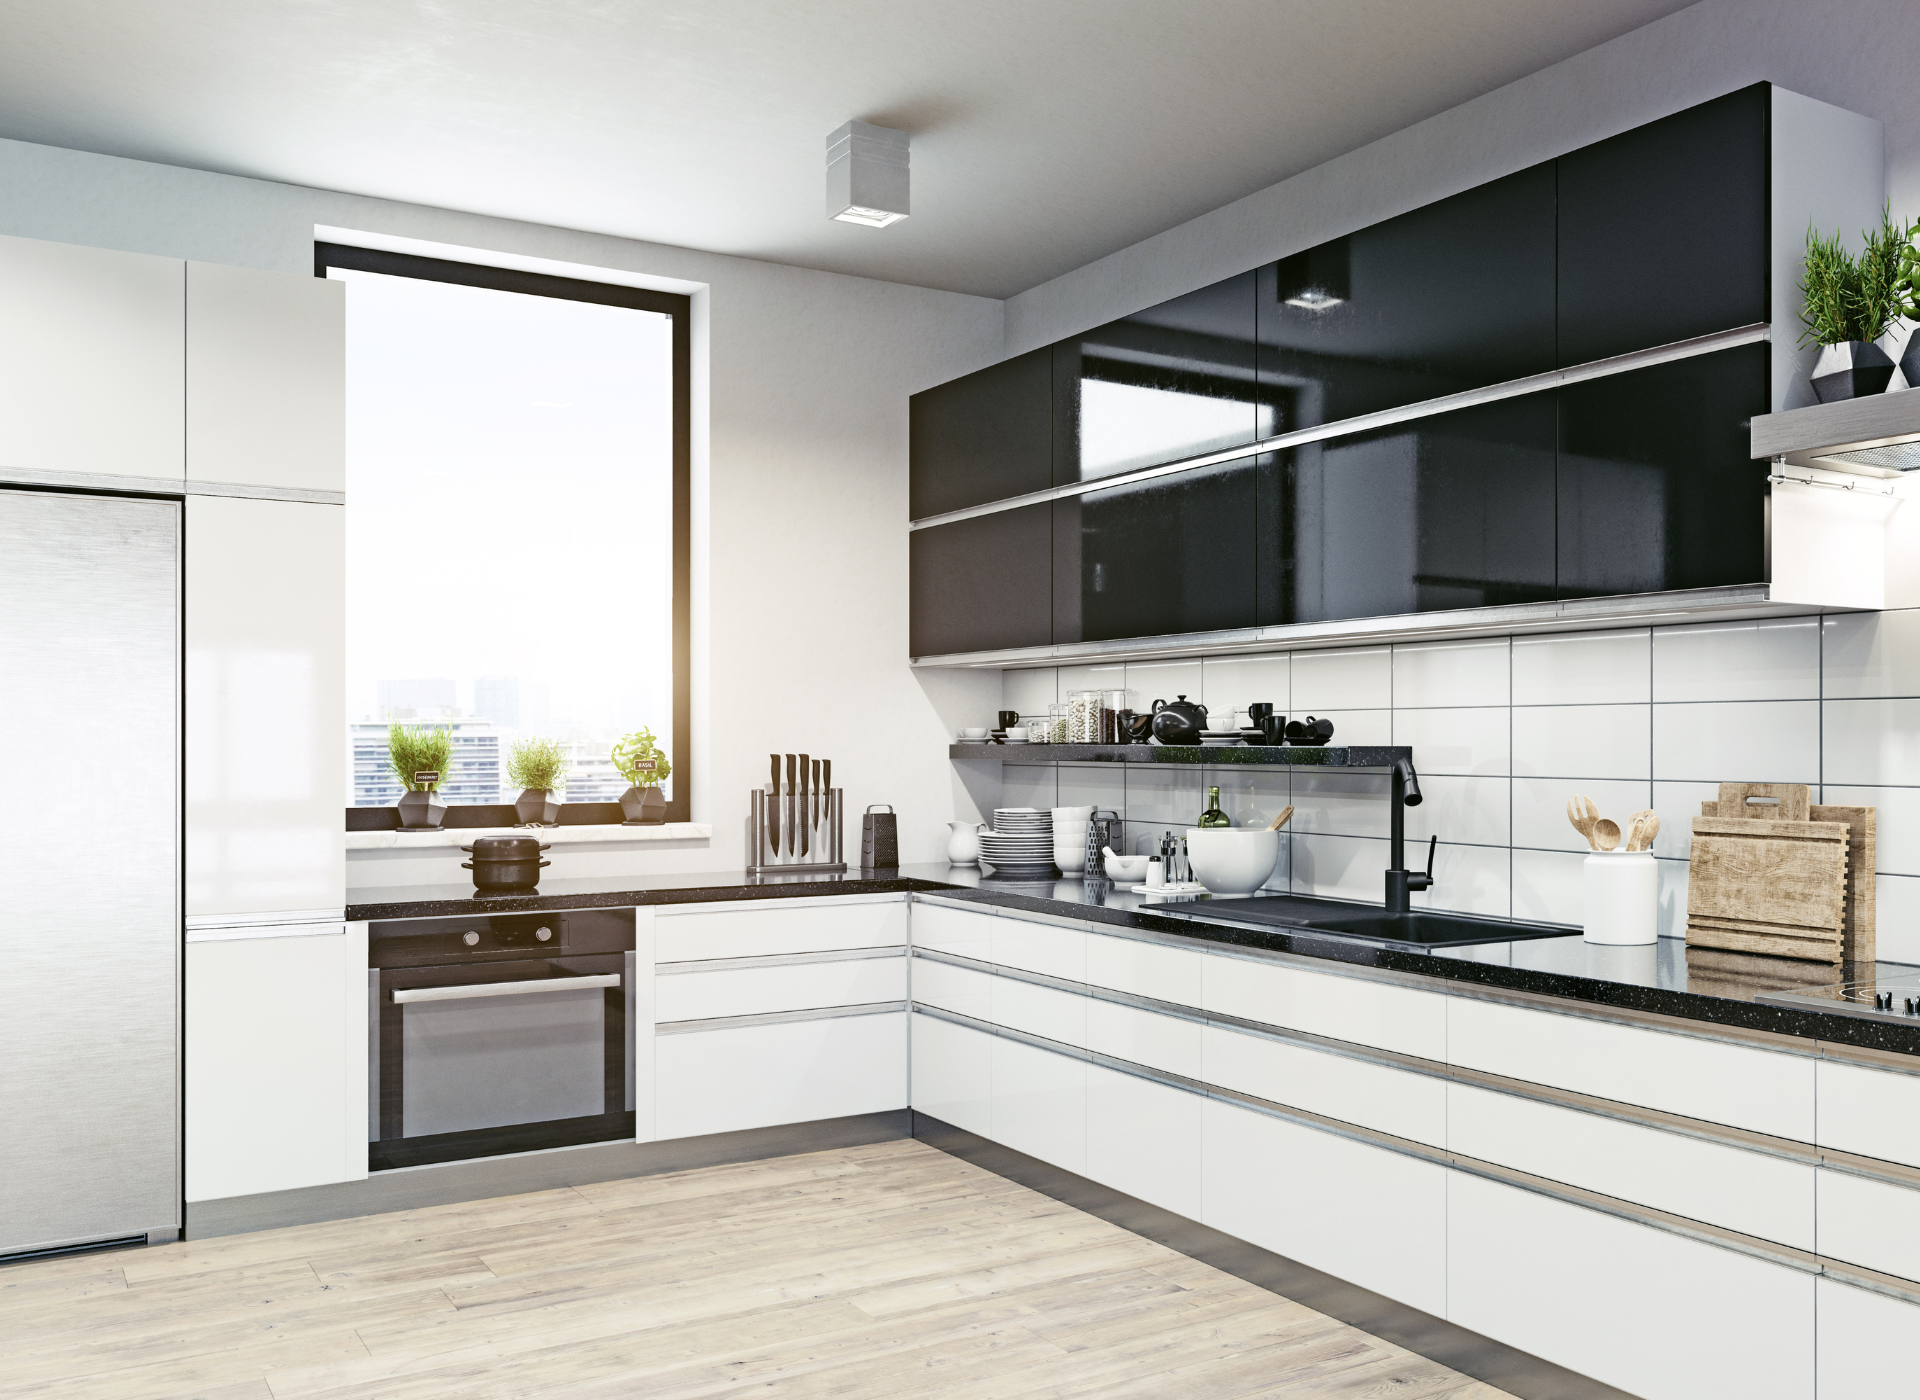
<point x="1774" y="887"/>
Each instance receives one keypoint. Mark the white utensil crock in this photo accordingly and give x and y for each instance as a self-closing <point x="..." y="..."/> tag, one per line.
<point x="1622" y="897"/>
<point x="963" y="846"/>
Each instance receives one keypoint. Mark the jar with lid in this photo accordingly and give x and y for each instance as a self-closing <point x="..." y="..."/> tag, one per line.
<point x="1083" y="717"/>
<point x="1113" y="703"/>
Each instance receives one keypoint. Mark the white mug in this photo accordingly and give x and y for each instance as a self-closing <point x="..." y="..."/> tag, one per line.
<point x="1016" y="733"/>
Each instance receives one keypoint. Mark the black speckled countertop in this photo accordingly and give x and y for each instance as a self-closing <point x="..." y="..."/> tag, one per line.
<point x="1669" y="978"/>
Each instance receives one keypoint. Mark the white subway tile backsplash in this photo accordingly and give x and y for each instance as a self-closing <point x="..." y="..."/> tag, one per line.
<point x="1467" y="879"/>
<point x="1428" y="674"/>
<point x="1109" y="677"/>
<point x="1231" y="683"/>
<point x="1022" y="785"/>
<point x="1778" y="659"/>
<point x="1464" y="811"/>
<point x="1547" y="886"/>
<point x="1029" y="692"/>
<point x="1250" y="795"/>
<point x="1104" y="785"/>
<point x="1896" y="823"/>
<point x="1868" y="655"/>
<point x="1871" y="743"/>
<point x="1361" y="679"/>
<point x="1163" y="793"/>
<point x="1582" y="668"/>
<point x="1466" y="741"/>
<point x="1340" y="867"/>
<point x="1354" y="726"/>
<point x="1761" y="741"/>
<point x="1581" y="741"/>
<point x="1342" y="804"/>
<point x="1896" y="903"/>
<point x="1673" y="897"/>
<point x="1677" y="804"/>
<point x="1164" y="680"/>
<point x="1540" y="808"/>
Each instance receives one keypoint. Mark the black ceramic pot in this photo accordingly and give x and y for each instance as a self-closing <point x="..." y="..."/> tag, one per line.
<point x="1178" y="721"/>
<point x="504" y="864"/>
<point x="537" y="807"/>
<point x="1850" y="371"/>
<point x="422" y="811"/>
<point x="643" y="806"/>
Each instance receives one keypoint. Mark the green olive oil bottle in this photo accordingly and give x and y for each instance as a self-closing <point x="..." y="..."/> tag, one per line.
<point x="1213" y="816"/>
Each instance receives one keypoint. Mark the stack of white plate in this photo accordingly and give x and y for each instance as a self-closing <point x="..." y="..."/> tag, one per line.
<point x="1219" y="738"/>
<point x="1070" y="836"/>
<point x="1021" y="842"/>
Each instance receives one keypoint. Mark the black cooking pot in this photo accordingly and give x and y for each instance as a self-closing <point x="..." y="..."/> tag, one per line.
<point x="505" y="864"/>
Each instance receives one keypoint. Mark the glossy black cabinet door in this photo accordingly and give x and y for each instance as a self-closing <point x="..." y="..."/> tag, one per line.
<point x="1169" y="555"/>
<point x="1453" y="296"/>
<point x="1664" y="230"/>
<point x="1173" y="381"/>
<point x="1656" y="489"/>
<point x="1454" y="511"/>
<point x="981" y="438"/>
<point x="981" y="584"/>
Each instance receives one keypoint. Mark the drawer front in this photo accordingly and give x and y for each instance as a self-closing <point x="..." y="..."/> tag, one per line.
<point x="749" y="991"/>
<point x="1871" y="1223"/>
<point x="1393" y="1101"/>
<point x="1755" y="1194"/>
<point x="1145" y="1037"/>
<point x="1755" y="1089"/>
<point x="1041" y="1011"/>
<point x="1036" y="947"/>
<point x="1341" y="1008"/>
<point x="948" y="930"/>
<point x="951" y="988"/>
<point x="953" y="1074"/>
<point x="1145" y="969"/>
<point x="1040" y="1103"/>
<point x="1873" y="1112"/>
<point x="692" y="936"/>
<point x="1866" y="1339"/>
<point x="792" y="1072"/>
<point x="1144" y="1139"/>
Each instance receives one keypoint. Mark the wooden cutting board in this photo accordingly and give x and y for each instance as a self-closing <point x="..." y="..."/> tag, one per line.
<point x="1790" y="802"/>
<point x="1775" y="887"/>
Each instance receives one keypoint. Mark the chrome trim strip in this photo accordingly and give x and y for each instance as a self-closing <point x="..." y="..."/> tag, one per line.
<point x="733" y="906"/>
<point x="286" y="923"/>
<point x="832" y="955"/>
<point x="532" y="986"/>
<point x="1426" y="408"/>
<point x="167" y="486"/>
<point x="774" y="1018"/>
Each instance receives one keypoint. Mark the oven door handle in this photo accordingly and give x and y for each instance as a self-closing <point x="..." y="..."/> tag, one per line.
<point x="506" y="989"/>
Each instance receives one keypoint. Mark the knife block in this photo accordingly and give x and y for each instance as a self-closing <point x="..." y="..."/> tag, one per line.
<point x="824" y="849"/>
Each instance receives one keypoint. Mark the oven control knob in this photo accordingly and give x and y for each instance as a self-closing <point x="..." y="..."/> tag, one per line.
<point x="543" y="934"/>
<point x="469" y="939"/>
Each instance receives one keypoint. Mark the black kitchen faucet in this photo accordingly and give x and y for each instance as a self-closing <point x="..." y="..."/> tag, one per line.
<point x="1401" y="881"/>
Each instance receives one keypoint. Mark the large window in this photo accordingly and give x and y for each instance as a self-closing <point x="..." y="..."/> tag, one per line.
<point x="516" y="519"/>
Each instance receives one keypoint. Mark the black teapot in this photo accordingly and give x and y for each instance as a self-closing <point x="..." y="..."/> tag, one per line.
<point x="1179" y="722"/>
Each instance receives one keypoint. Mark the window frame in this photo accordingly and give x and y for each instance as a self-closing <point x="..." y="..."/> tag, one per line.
<point x="679" y="309"/>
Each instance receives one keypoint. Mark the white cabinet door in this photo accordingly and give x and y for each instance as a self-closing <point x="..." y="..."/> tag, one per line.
<point x="1040" y="1011"/>
<point x="266" y="378"/>
<point x="1658" y="1315"/>
<point x="691" y="933"/>
<point x="266" y="706"/>
<point x="1040" y="1103"/>
<point x="1361" y="1213"/>
<point x="92" y="364"/>
<point x="752" y="991"/>
<point x="1342" y="1008"/>
<point x="948" y="930"/>
<point x="1144" y="1138"/>
<point x="1145" y="969"/>
<point x="1873" y="1112"/>
<point x="1874" y="1224"/>
<point x="1867" y="1342"/>
<point x="1150" y="1038"/>
<point x="957" y="989"/>
<point x="1393" y="1101"/>
<point x="1034" y="946"/>
<point x="276" y="1062"/>
<point x="1764" y="1090"/>
<point x="786" y="1072"/>
<point x="953" y="1074"/>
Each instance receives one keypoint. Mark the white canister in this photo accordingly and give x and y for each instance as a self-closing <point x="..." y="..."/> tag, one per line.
<point x="963" y="845"/>
<point x="1622" y="897"/>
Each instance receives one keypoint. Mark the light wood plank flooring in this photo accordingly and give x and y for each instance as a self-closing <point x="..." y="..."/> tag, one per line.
<point x="874" y="1272"/>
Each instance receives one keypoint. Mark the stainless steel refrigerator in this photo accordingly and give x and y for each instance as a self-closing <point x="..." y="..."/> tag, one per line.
<point x="90" y="887"/>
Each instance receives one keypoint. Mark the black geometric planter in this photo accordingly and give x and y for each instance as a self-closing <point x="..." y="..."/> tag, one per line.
<point x="1908" y="375"/>
<point x="537" y="807"/>
<point x="1851" y="370"/>
<point x="421" y="811"/>
<point x="644" y="806"/>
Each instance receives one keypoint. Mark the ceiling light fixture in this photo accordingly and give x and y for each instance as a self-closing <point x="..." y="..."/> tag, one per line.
<point x="867" y="173"/>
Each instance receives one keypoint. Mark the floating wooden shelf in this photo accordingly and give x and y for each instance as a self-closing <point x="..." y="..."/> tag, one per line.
<point x="1334" y="756"/>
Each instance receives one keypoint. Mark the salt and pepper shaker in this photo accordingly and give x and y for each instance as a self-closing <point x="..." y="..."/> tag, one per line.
<point x="1156" y="872"/>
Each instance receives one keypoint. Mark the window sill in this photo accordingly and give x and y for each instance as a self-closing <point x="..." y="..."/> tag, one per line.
<point x="557" y="836"/>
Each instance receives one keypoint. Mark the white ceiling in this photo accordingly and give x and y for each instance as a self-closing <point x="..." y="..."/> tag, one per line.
<point x="1046" y="133"/>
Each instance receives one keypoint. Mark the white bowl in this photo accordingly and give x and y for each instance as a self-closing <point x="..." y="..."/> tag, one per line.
<point x="1071" y="814"/>
<point x="973" y="734"/>
<point x="1131" y="869"/>
<point x="1016" y="736"/>
<point x="1232" y="860"/>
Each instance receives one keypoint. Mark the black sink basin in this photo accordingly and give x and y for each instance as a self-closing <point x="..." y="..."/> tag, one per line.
<point x="1324" y="918"/>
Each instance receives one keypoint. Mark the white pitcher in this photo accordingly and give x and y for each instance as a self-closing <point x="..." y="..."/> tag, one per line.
<point x="963" y="846"/>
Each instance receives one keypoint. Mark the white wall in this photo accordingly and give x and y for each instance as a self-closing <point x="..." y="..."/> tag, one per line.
<point x="1861" y="55"/>
<point x="800" y="468"/>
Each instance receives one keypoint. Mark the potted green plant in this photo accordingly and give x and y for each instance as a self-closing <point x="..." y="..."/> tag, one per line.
<point x="420" y="756"/>
<point x="640" y="760"/>
<point x="538" y="767"/>
<point x="1849" y="304"/>
<point x="1907" y="374"/>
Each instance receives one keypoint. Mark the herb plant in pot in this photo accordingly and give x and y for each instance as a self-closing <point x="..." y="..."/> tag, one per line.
<point x="420" y="757"/>
<point x="640" y="760"/>
<point x="1850" y="302"/>
<point x="538" y="767"/>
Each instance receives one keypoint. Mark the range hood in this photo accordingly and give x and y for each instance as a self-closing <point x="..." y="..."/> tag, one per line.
<point x="1874" y="436"/>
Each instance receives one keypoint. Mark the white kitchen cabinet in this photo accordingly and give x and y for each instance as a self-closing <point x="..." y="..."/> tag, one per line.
<point x="92" y="365"/>
<point x="266" y="708"/>
<point x="1035" y="946"/>
<point x="276" y="1061"/>
<point x="1866" y="1341"/>
<point x="1341" y="1008"/>
<point x="1040" y="1011"/>
<point x="1143" y="1138"/>
<point x="698" y="932"/>
<point x="759" y="1076"/>
<point x="1752" y="1192"/>
<point x="752" y="991"/>
<point x="959" y="989"/>
<point x="963" y="932"/>
<point x="1763" y="1090"/>
<point x="1145" y="969"/>
<point x="1393" y="1101"/>
<point x="1040" y="1103"/>
<point x="1875" y="1224"/>
<point x="1149" y="1038"/>
<point x="266" y="367"/>
<point x="953" y="1074"/>
<point x="1873" y="1112"/>
<point x="1656" y="1314"/>
<point x="1373" y="1217"/>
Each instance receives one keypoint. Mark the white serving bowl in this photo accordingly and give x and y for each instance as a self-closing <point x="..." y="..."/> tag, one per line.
<point x="973" y="734"/>
<point x="1232" y="860"/>
<point x="1127" y="869"/>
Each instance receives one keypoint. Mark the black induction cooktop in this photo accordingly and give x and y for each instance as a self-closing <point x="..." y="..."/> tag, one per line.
<point x="1325" y="918"/>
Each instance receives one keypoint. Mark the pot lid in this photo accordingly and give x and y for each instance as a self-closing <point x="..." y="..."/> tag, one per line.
<point x="505" y="847"/>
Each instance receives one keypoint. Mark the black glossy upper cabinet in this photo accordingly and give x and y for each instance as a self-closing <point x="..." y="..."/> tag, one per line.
<point x="981" y="438"/>
<point x="981" y="584"/>
<point x="1173" y="381"/>
<point x="1664" y="229"/>
<point x="1452" y="296"/>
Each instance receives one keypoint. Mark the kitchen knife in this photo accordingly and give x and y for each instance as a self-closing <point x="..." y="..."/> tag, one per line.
<point x="773" y="806"/>
<point x="816" y="798"/>
<point x="804" y="833"/>
<point x="826" y="792"/>
<point x="790" y="782"/>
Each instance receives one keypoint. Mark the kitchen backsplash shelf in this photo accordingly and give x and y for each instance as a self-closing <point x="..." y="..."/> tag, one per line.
<point x="1333" y="756"/>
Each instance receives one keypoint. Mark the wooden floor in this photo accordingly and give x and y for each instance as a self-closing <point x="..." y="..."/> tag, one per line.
<point x="881" y="1271"/>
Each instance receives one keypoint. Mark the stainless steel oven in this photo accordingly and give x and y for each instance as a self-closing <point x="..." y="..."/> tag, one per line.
<point x="498" y="1033"/>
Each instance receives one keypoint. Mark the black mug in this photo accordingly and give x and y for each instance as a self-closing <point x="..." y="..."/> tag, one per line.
<point x="1257" y="713"/>
<point x="1009" y="719"/>
<point x="1274" y="729"/>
